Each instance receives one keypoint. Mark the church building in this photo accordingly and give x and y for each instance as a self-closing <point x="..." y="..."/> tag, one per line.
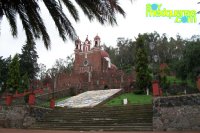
<point x="93" y="69"/>
<point x="91" y="59"/>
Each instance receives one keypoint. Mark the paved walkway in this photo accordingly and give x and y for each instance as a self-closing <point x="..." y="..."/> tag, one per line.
<point x="4" y="130"/>
<point x="88" y="99"/>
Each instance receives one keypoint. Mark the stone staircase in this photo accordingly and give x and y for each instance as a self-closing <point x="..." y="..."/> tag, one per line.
<point x="120" y="118"/>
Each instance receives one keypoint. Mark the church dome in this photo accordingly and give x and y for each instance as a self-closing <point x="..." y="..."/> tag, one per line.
<point x="96" y="37"/>
<point x="104" y="54"/>
<point x="78" y="40"/>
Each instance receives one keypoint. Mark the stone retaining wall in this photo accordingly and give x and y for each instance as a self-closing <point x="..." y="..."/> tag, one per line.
<point x="176" y="113"/>
<point x="20" y="116"/>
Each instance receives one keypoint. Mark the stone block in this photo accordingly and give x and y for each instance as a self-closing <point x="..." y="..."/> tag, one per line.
<point x="28" y="121"/>
<point x="157" y="124"/>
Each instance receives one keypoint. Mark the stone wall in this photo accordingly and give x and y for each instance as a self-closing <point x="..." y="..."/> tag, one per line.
<point x="176" y="113"/>
<point x="20" y="116"/>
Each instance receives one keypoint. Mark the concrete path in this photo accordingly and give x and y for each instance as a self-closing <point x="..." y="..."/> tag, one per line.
<point x="88" y="99"/>
<point x="4" y="130"/>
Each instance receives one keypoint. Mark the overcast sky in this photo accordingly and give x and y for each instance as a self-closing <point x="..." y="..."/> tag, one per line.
<point x="135" y="22"/>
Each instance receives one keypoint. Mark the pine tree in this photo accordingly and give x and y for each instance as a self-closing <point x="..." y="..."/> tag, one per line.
<point x="24" y="83"/>
<point x="143" y="77"/>
<point x="28" y="60"/>
<point x="13" y="74"/>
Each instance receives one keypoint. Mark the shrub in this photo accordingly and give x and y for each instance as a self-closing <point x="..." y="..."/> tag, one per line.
<point x="139" y="92"/>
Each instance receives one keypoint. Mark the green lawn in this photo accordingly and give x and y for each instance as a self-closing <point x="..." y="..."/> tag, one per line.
<point x="132" y="99"/>
<point x="172" y="79"/>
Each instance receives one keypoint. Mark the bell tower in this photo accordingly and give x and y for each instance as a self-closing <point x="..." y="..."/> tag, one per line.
<point x="97" y="41"/>
<point x="78" y="46"/>
<point x="86" y="45"/>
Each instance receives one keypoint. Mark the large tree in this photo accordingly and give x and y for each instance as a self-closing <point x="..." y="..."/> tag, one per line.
<point x="123" y="56"/>
<point x="13" y="82"/>
<point x="189" y="66"/>
<point x="143" y="78"/>
<point x="42" y="71"/>
<point x="103" y="10"/>
<point x="28" y="60"/>
<point x="69" y="64"/>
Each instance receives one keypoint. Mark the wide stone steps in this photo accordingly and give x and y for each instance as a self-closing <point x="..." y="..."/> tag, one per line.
<point x="123" y="118"/>
<point x="98" y="128"/>
<point x="124" y="113"/>
<point x="108" y="119"/>
<point x="104" y="111"/>
<point x="101" y="111"/>
<point x="100" y="121"/>
<point x="93" y="124"/>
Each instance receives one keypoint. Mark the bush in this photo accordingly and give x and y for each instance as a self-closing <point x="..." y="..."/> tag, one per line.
<point x="139" y="92"/>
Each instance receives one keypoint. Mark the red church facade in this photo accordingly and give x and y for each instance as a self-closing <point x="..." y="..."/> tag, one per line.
<point x="93" y="70"/>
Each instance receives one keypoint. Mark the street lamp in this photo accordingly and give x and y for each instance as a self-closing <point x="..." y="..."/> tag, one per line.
<point x="155" y="57"/>
<point x="54" y="76"/>
<point x="152" y="45"/>
<point x="11" y="89"/>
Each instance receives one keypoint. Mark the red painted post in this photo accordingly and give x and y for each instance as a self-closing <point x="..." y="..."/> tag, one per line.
<point x="52" y="103"/>
<point x="8" y="100"/>
<point x="31" y="100"/>
<point x="155" y="87"/>
<point x="198" y="83"/>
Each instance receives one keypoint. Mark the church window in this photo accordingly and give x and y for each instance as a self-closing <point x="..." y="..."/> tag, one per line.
<point x="96" y="43"/>
<point x="85" y="63"/>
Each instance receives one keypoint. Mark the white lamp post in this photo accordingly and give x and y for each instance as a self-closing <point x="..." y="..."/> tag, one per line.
<point x="147" y="90"/>
<point x="152" y="45"/>
<point x="155" y="57"/>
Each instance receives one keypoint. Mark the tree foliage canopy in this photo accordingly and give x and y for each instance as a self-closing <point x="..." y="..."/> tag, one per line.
<point x="143" y="78"/>
<point x="13" y="81"/>
<point x="28" y="60"/>
<point x="189" y="66"/>
<point x="104" y="11"/>
<point x="180" y="55"/>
